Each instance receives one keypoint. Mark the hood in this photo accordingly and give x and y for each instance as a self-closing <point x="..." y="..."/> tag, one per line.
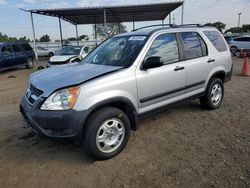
<point x="60" y="58"/>
<point x="49" y="80"/>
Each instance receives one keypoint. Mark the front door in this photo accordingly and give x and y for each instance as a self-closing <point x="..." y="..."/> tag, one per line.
<point x="160" y="86"/>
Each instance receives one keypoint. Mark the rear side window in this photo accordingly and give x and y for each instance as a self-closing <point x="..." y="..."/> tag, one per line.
<point x="194" y="46"/>
<point x="26" y="47"/>
<point x="7" y="49"/>
<point x="16" y="48"/>
<point x="243" y="39"/>
<point x="166" y="47"/>
<point x="216" y="40"/>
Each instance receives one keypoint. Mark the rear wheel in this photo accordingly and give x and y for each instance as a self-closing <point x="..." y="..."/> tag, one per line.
<point x="51" y="54"/>
<point x="107" y="133"/>
<point x="214" y="95"/>
<point x="29" y="64"/>
<point x="234" y="50"/>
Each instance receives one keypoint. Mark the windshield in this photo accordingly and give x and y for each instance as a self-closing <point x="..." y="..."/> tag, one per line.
<point x="69" y="51"/>
<point x="117" y="51"/>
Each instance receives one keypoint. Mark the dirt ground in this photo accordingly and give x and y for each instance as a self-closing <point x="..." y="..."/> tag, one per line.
<point x="183" y="147"/>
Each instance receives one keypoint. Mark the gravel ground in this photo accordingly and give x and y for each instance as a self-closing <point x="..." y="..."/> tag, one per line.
<point x="183" y="147"/>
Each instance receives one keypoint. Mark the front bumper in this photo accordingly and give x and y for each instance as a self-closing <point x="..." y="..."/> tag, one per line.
<point x="53" y="124"/>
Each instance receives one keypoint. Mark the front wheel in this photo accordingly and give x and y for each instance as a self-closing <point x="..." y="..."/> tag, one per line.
<point x="214" y="94"/>
<point x="29" y="64"/>
<point x="234" y="50"/>
<point x="107" y="133"/>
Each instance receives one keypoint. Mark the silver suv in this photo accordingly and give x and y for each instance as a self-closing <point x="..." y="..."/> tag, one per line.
<point x="98" y="101"/>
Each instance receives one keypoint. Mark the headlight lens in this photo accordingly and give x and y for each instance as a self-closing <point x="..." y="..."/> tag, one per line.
<point x="64" y="99"/>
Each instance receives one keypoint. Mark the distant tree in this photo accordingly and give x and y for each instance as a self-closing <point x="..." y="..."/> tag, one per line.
<point x="234" y="30"/>
<point x="24" y="39"/>
<point x="219" y="25"/>
<point x="3" y="37"/>
<point x="110" y="29"/>
<point x="246" y="28"/>
<point x="45" y="38"/>
<point x="71" y="39"/>
<point x="83" y="37"/>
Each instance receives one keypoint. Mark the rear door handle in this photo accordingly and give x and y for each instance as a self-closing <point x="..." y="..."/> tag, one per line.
<point x="178" y="68"/>
<point x="211" y="60"/>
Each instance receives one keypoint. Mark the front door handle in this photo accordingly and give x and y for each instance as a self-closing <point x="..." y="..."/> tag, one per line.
<point x="211" y="60"/>
<point x="178" y="68"/>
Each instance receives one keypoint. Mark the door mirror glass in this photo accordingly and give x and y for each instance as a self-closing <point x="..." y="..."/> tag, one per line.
<point x="152" y="62"/>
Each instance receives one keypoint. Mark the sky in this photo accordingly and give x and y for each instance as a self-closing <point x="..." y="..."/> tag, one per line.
<point x="16" y="23"/>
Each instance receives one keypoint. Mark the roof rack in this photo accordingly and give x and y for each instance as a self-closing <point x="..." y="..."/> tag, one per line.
<point x="158" y="25"/>
<point x="170" y="25"/>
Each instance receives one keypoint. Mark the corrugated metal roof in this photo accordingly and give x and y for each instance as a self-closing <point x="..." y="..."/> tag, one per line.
<point x="119" y="13"/>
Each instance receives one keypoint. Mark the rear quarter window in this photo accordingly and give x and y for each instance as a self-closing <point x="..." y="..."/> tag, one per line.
<point x="216" y="40"/>
<point x="26" y="47"/>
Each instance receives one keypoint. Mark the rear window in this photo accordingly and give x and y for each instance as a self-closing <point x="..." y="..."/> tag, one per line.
<point x="26" y="47"/>
<point x="243" y="39"/>
<point x="216" y="40"/>
<point x="194" y="46"/>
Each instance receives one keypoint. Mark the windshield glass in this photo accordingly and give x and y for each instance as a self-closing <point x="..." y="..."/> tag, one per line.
<point x="117" y="51"/>
<point x="69" y="51"/>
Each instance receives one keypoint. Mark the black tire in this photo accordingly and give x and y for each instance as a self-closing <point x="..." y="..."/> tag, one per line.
<point x="76" y="61"/>
<point x="207" y="101"/>
<point x="234" y="50"/>
<point x="29" y="64"/>
<point x="94" y="127"/>
<point x="51" y="54"/>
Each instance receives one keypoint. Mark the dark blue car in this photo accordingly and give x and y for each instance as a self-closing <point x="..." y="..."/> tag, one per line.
<point x="13" y="54"/>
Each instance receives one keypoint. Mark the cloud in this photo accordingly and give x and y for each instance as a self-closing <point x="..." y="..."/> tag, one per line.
<point x="2" y="2"/>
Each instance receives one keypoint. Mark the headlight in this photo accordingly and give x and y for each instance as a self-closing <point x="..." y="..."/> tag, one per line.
<point x="64" y="99"/>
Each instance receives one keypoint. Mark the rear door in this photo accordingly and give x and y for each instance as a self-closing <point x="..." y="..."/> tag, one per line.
<point x="18" y="55"/>
<point x="198" y="63"/>
<point x="7" y="56"/>
<point x="157" y="86"/>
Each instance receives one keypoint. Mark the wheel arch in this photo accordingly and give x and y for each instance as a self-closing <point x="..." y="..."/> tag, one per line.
<point x="118" y="102"/>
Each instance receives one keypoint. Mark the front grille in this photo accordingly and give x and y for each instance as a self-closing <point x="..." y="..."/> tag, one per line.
<point x="33" y="94"/>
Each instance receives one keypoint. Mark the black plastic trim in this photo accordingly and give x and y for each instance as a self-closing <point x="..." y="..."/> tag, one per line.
<point x="146" y="99"/>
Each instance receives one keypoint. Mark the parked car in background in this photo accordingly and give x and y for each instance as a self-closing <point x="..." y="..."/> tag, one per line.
<point x="41" y="51"/>
<point x="16" y="54"/>
<point x="238" y="43"/>
<point x="98" y="101"/>
<point x="229" y="38"/>
<point x="69" y="54"/>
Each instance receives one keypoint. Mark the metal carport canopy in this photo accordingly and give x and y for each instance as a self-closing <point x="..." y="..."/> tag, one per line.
<point x="113" y="14"/>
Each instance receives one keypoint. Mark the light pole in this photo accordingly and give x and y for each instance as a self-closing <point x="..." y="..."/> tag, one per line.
<point x="239" y="19"/>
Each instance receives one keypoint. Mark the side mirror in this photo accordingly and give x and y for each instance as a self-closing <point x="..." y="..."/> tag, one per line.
<point x="152" y="62"/>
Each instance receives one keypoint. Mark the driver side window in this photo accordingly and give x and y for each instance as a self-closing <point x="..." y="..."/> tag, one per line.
<point x="166" y="47"/>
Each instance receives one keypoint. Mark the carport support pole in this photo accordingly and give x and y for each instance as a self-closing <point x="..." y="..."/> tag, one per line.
<point x="182" y="13"/>
<point x="77" y="40"/>
<point x="170" y="18"/>
<point x="95" y="35"/>
<point x="60" y="26"/>
<point x="105" y="21"/>
<point x="34" y="34"/>
<point x="133" y="22"/>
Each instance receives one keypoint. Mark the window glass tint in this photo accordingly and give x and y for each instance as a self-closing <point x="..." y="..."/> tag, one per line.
<point x="192" y="45"/>
<point x="16" y="48"/>
<point x="166" y="47"/>
<point x="243" y="39"/>
<point x="203" y="46"/>
<point x="26" y="47"/>
<point x="6" y="49"/>
<point x="217" y="40"/>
